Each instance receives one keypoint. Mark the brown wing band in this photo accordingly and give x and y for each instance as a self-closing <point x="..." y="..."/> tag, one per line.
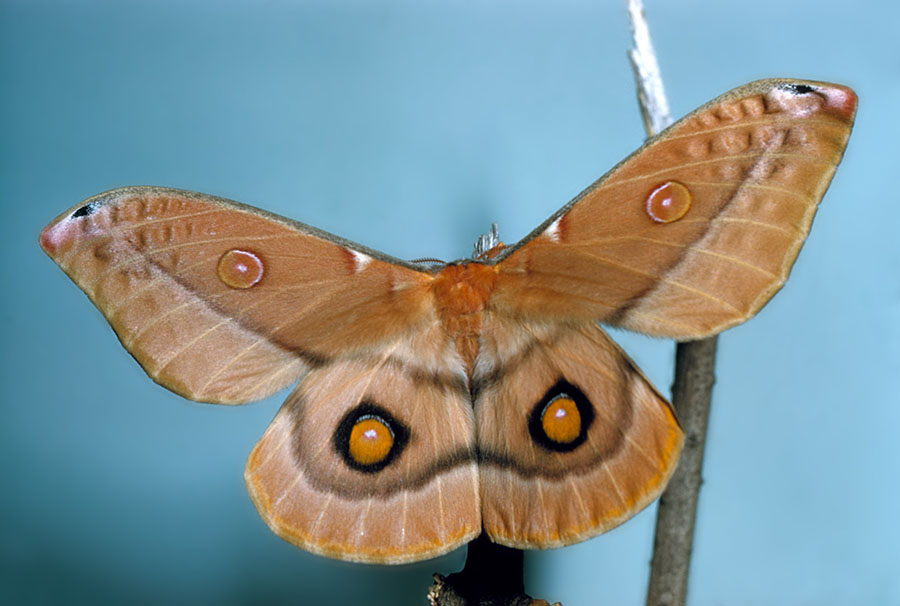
<point x="625" y="375"/>
<point x="619" y="314"/>
<point x="481" y="382"/>
<point x="313" y="359"/>
<point x="464" y="456"/>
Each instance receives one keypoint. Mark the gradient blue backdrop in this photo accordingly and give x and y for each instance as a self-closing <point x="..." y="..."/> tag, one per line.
<point x="409" y="126"/>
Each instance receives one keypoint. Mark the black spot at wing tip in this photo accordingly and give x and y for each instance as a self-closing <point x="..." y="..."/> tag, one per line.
<point x="88" y="209"/>
<point x="798" y="89"/>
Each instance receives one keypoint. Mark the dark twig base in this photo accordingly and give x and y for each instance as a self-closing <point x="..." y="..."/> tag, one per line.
<point x="691" y="392"/>
<point x="492" y="576"/>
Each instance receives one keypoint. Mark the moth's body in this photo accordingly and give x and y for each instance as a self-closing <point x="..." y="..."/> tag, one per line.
<point x="437" y="401"/>
<point x="461" y="293"/>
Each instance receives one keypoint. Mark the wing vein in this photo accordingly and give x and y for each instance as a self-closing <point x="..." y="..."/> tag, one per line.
<point x="670" y="169"/>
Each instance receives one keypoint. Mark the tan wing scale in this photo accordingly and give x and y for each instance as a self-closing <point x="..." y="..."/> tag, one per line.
<point x="421" y="503"/>
<point x="541" y="492"/>
<point x="748" y="170"/>
<point x="160" y="264"/>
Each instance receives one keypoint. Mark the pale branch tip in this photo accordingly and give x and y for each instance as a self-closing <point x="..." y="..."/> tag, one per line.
<point x="487" y="241"/>
<point x="651" y="94"/>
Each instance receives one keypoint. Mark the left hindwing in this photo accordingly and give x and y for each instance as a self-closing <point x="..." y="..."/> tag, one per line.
<point x="372" y="458"/>
<point x="573" y="439"/>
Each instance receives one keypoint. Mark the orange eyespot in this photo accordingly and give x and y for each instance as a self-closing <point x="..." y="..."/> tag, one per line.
<point x="240" y="269"/>
<point x="669" y="202"/>
<point x="369" y="438"/>
<point x="371" y="441"/>
<point x="561" y="420"/>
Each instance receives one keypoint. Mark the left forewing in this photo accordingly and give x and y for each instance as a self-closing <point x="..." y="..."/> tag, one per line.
<point x="222" y="302"/>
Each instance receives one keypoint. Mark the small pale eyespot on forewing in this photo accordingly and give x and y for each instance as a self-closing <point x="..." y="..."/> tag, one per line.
<point x="371" y="441"/>
<point x="669" y="202"/>
<point x="561" y="420"/>
<point x="240" y="269"/>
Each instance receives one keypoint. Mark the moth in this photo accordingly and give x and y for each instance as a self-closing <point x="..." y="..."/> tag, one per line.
<point x="440" y="400"/>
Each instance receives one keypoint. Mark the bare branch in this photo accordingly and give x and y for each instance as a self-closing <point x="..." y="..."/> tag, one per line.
<point x="694" y="377"/>
<point x="677" y="512"/>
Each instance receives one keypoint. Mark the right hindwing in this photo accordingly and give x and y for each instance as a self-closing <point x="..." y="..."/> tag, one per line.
<point x="573" y="439"/>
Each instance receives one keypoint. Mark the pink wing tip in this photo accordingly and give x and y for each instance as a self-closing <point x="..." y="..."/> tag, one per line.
<point x="58" y="235"/>
<point x="840" y="99"/>
<point x="50" y="239"/>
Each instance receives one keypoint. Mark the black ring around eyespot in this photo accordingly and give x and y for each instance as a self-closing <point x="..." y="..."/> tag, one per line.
<point x="367" y="409"/>
<point x="561" y="388"/>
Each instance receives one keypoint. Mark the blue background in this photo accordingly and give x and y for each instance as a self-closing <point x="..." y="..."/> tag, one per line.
<point x="409" y="126"/>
